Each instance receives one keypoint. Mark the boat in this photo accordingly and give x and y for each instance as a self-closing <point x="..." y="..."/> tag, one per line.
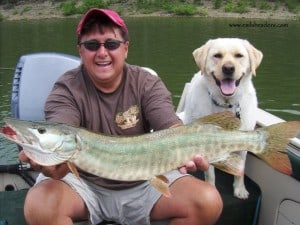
<point x="274" y="197"/>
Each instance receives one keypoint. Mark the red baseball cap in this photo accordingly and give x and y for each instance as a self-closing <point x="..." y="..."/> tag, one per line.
<point x="112" y="15"/>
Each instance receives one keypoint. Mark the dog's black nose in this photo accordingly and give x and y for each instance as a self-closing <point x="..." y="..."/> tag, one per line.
<point x="228" y="69"/>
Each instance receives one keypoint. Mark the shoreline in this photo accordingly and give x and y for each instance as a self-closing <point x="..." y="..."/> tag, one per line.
<point x="47" y="10"/>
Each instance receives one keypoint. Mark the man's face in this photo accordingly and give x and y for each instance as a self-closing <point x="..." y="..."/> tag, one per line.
<point x="104" y="66"/>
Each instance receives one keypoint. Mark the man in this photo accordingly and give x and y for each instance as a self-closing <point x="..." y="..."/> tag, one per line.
<point x="107" y="95"/>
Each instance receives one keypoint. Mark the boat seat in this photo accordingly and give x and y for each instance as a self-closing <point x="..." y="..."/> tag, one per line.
<point x="34" y="77"/>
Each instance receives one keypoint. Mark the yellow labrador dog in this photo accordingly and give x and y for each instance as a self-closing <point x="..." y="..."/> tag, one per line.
<point x="224" y="82"/>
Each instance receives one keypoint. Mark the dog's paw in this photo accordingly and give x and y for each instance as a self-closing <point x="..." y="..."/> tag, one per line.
<point x="241" y="192"/>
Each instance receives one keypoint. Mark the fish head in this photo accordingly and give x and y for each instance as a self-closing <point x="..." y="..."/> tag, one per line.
<point x="44" y="142"/>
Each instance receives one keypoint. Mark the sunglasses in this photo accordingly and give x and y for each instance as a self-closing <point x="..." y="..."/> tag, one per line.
<point x="94" y="45"/>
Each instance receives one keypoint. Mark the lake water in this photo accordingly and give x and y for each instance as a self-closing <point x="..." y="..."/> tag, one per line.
<point x="166" y="45"/>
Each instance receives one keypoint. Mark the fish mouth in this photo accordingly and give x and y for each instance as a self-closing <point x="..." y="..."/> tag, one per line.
<point x="227" y="86"/>
<point x="10" y="133"/>
<point x="13" y="135"/>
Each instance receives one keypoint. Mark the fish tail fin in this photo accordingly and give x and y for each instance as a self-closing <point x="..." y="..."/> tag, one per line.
<point x="276" y="151"/>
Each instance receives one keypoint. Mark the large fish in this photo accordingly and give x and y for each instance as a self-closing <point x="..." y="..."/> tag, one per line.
<point x="146" y="157"/>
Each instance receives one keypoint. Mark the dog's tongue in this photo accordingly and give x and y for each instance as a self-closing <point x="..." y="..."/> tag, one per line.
<point x="227" y="86"/>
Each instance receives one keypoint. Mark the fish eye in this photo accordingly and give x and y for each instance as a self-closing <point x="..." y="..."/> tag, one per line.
<point x="41" y="130"/>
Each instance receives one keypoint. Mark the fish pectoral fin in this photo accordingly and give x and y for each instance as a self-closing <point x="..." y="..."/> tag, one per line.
<point x="161" y="183"/>
<point x="233" y="164"/>
<point x="73" y="169"/>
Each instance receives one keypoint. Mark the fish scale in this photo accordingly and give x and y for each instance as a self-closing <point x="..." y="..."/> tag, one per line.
<point x="141" y="157"/>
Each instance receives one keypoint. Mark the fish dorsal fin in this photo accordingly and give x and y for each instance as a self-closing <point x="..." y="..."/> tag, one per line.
<point x="161" y="183"/>
<point x="233" y="164"/>
<point x="225" y="119"/>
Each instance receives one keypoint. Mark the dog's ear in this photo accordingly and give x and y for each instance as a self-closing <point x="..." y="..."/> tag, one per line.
<point x="255" y="57"/>
<point x="200" y="55"/>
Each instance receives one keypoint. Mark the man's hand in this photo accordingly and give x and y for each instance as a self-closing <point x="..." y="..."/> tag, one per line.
<point x="55" y="172"/>
<point x="198" y="162"/>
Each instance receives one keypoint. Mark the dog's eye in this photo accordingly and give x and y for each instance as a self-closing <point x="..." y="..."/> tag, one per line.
<point x="238" y="55"/>
<point x="218" y="55"/>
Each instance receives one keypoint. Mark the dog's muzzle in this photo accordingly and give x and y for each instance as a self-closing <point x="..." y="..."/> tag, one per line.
<point x="227" y="85"/>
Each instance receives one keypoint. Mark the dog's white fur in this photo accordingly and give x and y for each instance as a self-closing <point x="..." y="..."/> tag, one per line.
<point x="223" y="63"/>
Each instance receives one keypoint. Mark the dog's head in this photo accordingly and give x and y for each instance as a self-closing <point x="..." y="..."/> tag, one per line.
<point x="227" y="61"/>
